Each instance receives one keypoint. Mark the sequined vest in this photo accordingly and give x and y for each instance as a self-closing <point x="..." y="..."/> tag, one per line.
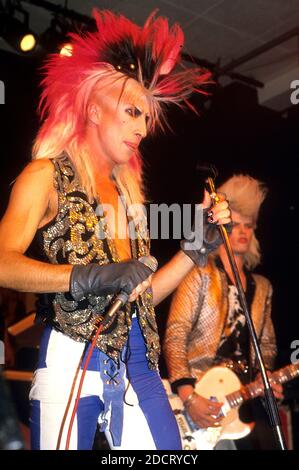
<point x="73" y="237"/>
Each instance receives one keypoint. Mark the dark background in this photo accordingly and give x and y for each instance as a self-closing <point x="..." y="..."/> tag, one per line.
<point x="234" y="133"/>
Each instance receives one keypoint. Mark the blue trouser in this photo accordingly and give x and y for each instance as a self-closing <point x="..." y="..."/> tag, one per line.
<point x="129" y="402"/>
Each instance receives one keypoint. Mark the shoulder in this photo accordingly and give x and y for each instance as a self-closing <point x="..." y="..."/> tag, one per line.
<point x="196" y="276"/>
<point x="38" y="171"/>
<point x="262" y="282"/>
<point x="34" y="182"/>
<point x="210" y="270"/>
<point x="41" y="167"/>
<point x="28" y="203"/>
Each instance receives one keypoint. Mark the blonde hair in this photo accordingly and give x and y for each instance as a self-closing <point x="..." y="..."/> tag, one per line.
<point x="245" y="195"/>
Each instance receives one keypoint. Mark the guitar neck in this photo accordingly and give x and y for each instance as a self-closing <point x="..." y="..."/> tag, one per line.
<point x="255" y="389"/>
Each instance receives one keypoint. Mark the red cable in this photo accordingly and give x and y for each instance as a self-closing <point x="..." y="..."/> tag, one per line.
<point x="86" y="363"/>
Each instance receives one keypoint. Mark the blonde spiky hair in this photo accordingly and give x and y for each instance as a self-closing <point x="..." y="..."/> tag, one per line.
<point x="245" y="195"/>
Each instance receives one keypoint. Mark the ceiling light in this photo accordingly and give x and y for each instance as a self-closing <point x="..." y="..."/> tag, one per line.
<point x="14" y="31"/>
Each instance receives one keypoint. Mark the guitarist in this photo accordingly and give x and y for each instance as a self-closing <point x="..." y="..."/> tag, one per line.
<point x="206" y="325"/>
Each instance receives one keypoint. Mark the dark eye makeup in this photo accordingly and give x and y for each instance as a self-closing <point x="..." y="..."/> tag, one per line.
<point x="136" y="112"/>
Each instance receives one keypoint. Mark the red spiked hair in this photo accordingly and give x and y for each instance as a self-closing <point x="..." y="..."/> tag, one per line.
<point x="148" y="54"/>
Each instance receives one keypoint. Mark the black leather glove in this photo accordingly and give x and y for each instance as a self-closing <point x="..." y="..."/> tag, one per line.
<point x="107" y="279"/>
<point x="211" y="240"/>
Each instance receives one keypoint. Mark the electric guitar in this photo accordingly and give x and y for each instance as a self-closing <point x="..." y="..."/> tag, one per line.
<point x="222" y="384"/>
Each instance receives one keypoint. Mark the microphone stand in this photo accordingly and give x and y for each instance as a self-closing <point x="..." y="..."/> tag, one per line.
<point x="269" y="396"/>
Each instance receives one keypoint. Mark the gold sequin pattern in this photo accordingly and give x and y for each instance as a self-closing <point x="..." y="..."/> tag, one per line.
<point x="73" y="238"/>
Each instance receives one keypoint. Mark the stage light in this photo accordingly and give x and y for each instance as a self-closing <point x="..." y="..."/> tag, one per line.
<point x="18" y="35"/>
<point x="66" y="50"/>
<point x="14" y="31"/>
<point x="27" y="43"/>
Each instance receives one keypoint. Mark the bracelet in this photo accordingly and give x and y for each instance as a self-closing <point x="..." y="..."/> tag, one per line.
<point x="190" y="399"/>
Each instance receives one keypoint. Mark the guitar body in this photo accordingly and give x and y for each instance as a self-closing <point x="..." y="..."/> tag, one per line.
<point x="217" y="383"/>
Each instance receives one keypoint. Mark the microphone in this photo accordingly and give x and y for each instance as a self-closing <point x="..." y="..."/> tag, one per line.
<point x="122" y="297"/>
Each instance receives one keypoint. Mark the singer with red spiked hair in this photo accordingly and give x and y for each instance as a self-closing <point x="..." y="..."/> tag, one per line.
<point x="58" y="237"/>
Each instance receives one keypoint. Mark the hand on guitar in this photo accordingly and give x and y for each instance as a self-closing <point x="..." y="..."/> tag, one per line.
<point x="202" y="411"/>
<point x="276" y="387"/>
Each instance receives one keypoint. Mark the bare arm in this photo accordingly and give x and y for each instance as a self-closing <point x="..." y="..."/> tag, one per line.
<point x="167" y="279"/>
<point x="28" y="207"/>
